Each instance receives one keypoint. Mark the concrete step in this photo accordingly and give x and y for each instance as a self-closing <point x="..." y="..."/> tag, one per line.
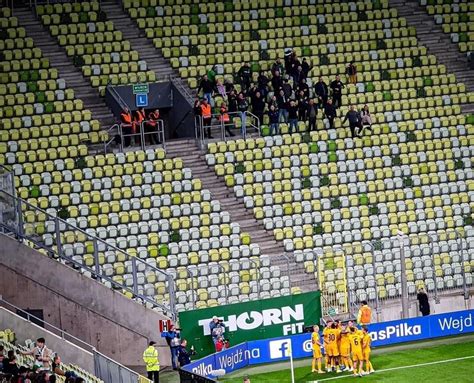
<point x="194" y="159"/>
<point x="144" y="46"/>
<point x="436" y="41"/>
<point x="59" y="60"/>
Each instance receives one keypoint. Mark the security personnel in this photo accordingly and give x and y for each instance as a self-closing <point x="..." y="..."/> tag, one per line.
<point x="150" y="357"/>
<point x="206" y="113"/>
<point x="127" y="125"/>
<point x="364" y="316"/>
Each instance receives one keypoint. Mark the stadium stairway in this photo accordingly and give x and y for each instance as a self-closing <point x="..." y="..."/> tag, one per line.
<point x="437" y="42"/>
<point x="194" y="159"/>
<point x="58" y="58"/>
<point x="156" y="62"/>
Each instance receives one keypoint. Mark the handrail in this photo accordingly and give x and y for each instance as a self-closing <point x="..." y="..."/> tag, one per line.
<point x="178" y="82"/>
<point x="97" y="371"/>
<point x="58" y="221"/>
<point x="226" y="279"/>
<point x="30" y="316"/>
<point x="258" y="275"/>
<point x="288" y="269"/>
<point x="160" y="131"/>
<point x="109" y="130"/>
<point x="121" y="101"/>
<point x="199" y="125"/>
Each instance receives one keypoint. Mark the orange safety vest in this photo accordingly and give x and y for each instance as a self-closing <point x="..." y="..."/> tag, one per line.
<point x="140" y="116"/>
<point x="224" y="115"/>
<point x="366" y="315"/>
<point x="126" y="117"/>
<point x="153" y="117"/>
<point x="206" y="111"/>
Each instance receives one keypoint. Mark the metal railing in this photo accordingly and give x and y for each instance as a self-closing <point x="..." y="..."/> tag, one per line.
<point x="105" y="368"/>
<point x="116" y="94"/>
<point x="178" y="83"/>
<point x="46" y="325"/>
<point x="200" y="128"/>
<point x="111" y="372"/>
<point x="62" y="240"/>
<point x="159" y="133"/>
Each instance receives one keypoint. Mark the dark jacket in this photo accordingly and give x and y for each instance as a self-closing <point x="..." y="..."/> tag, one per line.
<point x="244" y="73"/>
<point x="242" y="105"/>
<point x="336" y="87"/>
<point x="273" y="116"/>
<point x="232" y="103"/>
<point x="306" y="68"/>
<point x="287" y="89"/>
<point x="423" y="302"/>
<point x="258" y="104"/>
<point x="207" y="86"/>
<point x="277" y="83"/>
<point x="293" y="112"/>
<point x="321" y="89"/>
<point x="184" y="356"/>
<point x="330" y="111"/>
<point x="353" y="116"/>
<point x="262" y="81"/>
<point x="282" y="102"/>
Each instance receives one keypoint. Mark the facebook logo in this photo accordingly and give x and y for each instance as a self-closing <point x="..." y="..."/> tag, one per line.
<point x="280" y="348"/>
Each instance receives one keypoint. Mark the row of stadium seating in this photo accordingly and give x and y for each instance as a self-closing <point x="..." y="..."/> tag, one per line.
<point x="41" y="118"/>
<point x="143" y="203"/>
<point x="94" y="44"/>
<point x="7" y="340"/>
<point x="456" y="19"/>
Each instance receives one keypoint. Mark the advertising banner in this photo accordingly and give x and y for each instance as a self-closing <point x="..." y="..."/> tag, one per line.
<point x="266" y="318"/>
<point x="383" y="334"/>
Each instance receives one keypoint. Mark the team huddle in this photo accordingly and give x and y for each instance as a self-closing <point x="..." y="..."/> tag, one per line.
<point x="346" y="348"/>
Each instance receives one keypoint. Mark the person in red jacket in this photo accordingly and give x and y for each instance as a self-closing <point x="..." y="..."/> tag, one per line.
<point x="140" y="116"/>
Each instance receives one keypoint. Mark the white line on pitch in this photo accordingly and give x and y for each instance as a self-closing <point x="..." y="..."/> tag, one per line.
<point x="397" y="368"/>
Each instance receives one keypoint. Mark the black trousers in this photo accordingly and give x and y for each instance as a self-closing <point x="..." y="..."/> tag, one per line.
<point x="207" y="127"/>
<point x="312" y="123"/>
<point x="331" y="122"/>
<point x="154" y="376"/>
<point x="337" y="100"/>
<point x="352" y="127"/>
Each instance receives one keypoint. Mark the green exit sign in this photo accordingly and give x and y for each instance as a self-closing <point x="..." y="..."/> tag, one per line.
<point x="140" y="88"/>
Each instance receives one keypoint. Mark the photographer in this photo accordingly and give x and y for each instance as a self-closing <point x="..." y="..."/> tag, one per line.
<point x="217" y="328"/>
<point x="184" y="356"/>
<point x="172" y="338"/>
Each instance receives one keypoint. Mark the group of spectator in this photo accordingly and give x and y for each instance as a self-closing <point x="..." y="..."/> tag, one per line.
<point x="45" y="369"/>
<point x="131" y="123"/>
<point x="283" y="94"/>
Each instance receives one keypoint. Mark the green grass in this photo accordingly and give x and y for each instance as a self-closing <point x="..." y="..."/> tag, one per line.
<point x="455" y="372"/>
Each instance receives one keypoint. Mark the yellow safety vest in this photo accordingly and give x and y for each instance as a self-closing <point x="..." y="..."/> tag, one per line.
<point x="150" y="357"/>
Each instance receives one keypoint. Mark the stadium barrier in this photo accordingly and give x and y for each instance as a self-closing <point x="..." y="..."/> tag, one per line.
<point x="265" y="318"/>
<point x="383" y="334"/>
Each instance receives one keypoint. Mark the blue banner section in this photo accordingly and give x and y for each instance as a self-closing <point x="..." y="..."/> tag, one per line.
<point x="382" y="334"/>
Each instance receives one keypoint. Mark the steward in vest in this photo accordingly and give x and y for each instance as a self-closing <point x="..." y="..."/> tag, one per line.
<point x="152" y="126"/>
<point x="127" y="125"/>
<point x="152" y="364"/>
<point x="140" y="116"/>
<point x="225" y="119"/>
<point x="206" y="113"/>
<point x="364" y="316"/>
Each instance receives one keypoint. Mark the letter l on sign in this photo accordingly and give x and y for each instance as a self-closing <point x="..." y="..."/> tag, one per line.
<point x="141" y="100"/>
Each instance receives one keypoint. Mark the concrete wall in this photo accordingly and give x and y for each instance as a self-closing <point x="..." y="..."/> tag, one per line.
<point x="392" y="310"/>
<point x="69" y="352"/>
<point x="115" y="325"/>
